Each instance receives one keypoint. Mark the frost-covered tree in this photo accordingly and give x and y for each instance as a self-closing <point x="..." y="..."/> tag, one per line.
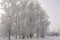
<point x="10" y="6"/>
<point x="24" y="18"/>
<point x="6" y="21"/>
<point x="43" y="23"/>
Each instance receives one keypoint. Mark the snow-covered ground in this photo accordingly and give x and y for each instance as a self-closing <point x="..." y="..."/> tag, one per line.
<point x="46" y="38"/>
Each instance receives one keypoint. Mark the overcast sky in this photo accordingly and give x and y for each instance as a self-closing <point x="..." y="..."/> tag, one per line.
<point x="52" y="8"/>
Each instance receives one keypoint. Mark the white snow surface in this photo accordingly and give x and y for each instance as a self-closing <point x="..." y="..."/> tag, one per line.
<point x="46" y="38"/>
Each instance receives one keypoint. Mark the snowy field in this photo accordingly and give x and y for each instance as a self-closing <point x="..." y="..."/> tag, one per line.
<point x="46" y="38"/>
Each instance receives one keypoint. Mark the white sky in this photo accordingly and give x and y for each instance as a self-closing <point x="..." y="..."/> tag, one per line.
<point x="52" y="8"/>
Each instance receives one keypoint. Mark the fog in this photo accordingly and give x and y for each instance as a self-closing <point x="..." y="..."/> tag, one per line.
<point x="53" y="10"/>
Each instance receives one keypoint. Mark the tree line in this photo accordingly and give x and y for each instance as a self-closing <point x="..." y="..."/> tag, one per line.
<point x="24" y="18"/>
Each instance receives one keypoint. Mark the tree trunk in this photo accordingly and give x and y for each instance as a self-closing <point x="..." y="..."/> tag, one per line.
<point x="23" y="37"/>
<point x="9" y="35"/>
<point x="31" y="36"/>
<point x="42" y="34"/>
<point x="16" y="35"/>
<point x="37" y="33"/>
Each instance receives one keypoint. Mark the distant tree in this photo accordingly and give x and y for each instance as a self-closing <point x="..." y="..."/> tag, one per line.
<point x="53" y="33"/>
